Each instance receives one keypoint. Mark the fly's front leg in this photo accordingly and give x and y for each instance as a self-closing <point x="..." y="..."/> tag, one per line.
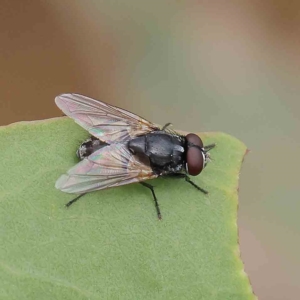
<point x="187" y="179"/>
<point x="151" y="187"/>
<point x="166" y="126"/>
<point x="209" y="147"/>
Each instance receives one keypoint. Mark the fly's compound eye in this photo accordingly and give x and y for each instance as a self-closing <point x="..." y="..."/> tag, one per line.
<point x="195" y="158"/>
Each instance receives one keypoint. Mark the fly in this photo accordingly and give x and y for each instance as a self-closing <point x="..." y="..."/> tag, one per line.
<point x="125" y="148"/>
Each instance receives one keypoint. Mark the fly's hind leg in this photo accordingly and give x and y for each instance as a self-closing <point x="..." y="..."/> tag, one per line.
<point x="151" y="187"/>
<point x="74" y="200"/>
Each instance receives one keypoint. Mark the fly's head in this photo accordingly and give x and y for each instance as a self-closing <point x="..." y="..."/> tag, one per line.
<point x="197" y="155"/>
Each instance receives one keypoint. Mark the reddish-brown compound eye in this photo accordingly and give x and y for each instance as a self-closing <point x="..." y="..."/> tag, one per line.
<point x="194" y="139"/>
<point x="194" y="156"/>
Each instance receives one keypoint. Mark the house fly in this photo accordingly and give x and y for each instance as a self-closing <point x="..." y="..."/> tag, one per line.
<point x="125" y="148"/>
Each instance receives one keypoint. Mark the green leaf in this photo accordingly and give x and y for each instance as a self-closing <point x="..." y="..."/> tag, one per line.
<point x="110" y="245"/>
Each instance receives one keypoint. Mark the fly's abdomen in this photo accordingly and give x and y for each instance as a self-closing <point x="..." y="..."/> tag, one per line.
<point x="88" y="147"/>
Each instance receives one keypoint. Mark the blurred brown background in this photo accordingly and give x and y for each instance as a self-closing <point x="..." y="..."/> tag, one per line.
<point x="226" y="66"/>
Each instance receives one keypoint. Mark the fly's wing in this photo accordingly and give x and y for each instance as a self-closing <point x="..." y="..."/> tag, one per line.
<point x="110" y="166"/>
<point x="106" y="122"/>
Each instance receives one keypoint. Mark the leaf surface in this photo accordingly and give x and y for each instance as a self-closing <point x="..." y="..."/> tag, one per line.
<point x="110" y="245"/>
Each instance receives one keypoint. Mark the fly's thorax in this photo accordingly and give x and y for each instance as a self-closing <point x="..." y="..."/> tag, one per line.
<point x="164" y="144"/>
<point x="165" y="151"/>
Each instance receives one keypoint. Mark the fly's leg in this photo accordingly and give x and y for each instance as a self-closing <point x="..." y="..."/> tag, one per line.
<point x="74" y="200"/>
<point x="187" y="179"/>
<point x="166" y="126"/>
<point x="151" y="187"/>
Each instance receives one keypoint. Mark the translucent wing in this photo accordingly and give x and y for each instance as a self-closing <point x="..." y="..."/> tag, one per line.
<point x="110" y="166"/>
<point x="108" y="123"/>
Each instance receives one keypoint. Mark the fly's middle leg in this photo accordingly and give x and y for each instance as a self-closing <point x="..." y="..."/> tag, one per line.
<point x="151" y="187"/>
